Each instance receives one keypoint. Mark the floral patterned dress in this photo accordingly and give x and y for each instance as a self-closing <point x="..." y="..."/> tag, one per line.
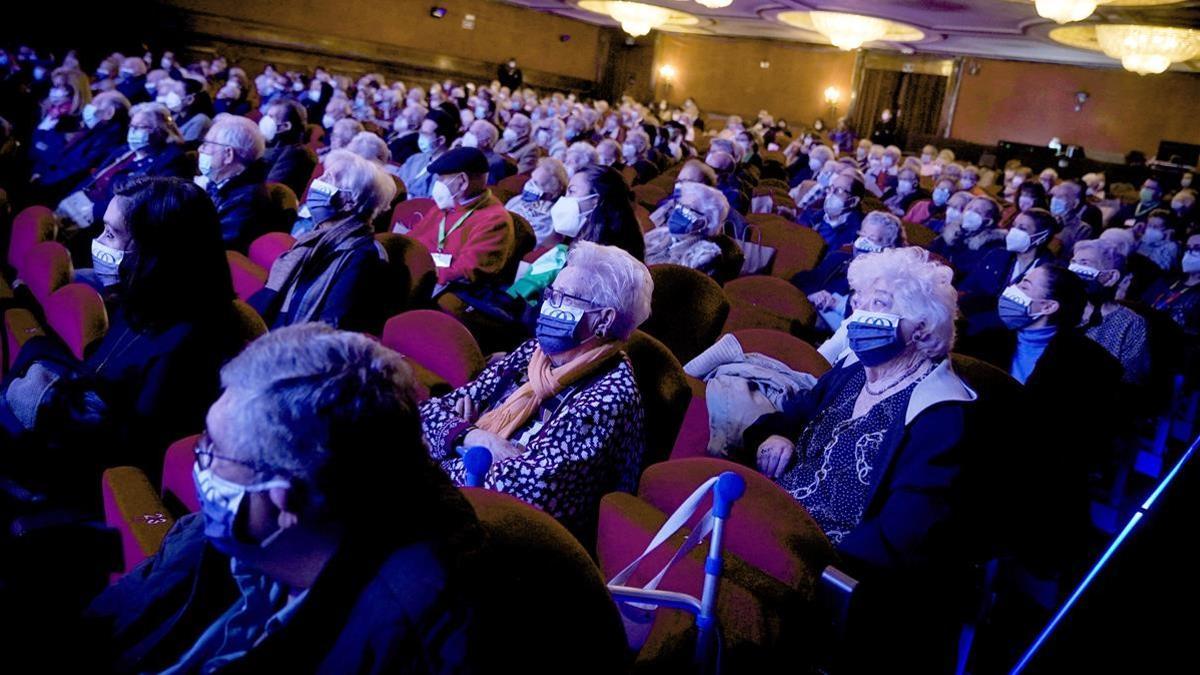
<point x="582" y="444"/>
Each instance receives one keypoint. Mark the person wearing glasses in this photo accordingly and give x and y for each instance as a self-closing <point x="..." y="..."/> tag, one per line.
<point x="562" y="414"/>
<point x="234" y="178"/>
<point x="841" y="217"/>
<point x="305" y="555"/>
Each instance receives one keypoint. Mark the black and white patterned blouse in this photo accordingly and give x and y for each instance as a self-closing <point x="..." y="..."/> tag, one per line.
<point x="582" y="444"/>
<point x="836" y="457"/>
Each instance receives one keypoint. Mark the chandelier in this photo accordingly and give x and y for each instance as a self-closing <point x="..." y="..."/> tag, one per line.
<point x="848" y="31"/>
<point x="714" y="4"/>
<point x="1148" y="49"/>
<point x="1065" y="11"/>
<point x="638" y="19"/>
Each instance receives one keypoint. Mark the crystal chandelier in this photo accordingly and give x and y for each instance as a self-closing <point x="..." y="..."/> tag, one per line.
<point x="714" y="4"/>
<point x="1148" y="49"/>
<point x="848" y="31"/>
<point x="638" y="19"/>
<point x="1065" y="11"/>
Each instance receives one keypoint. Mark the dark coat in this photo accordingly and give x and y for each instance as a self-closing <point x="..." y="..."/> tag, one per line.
<point x="78" y="159"/>
<point x="291" y="165"/>
<point x="171" y="162"/>
<point x="244" y="207"/>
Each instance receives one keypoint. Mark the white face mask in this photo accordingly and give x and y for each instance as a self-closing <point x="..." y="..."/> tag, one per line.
<point x="204" y="162"/>
<point x="442" y="196"/>
<point x="1017" y="240"/>
<point x="268" y="127"/>
<point x="972" y="221"/>
<point x="327" y="121"/>
<point x="567" y="215"/>
<point x="953" y="215"/>
<point x="469" y="140"/>
<point x="510" y="135"/>
<point x="172" y="100"/>
<point x="314" y="95"/>
<point x="1153" y="235"/>
<point x="1190" y="263"/>
<point x="106" y="262"/>
<point x="90" y="118"/>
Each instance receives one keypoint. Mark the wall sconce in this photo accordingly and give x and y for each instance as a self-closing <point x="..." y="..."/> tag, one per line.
<point x="667" y="71"/>
<point x="1081" y="97"/>
<point x="764" y="64"/>
<point x="832" y="96"/>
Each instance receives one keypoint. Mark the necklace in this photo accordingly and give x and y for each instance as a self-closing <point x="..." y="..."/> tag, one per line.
<point x="908" y="373"/>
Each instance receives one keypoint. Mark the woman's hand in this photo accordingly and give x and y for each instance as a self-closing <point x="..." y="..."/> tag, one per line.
<point x="774" y="455"/>
<point x="465" y="409"/>
<point x="822" y="300"/>
<point x="499" y="447"/>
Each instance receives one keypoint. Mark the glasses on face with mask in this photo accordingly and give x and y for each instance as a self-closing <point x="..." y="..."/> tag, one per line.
<point x="205" y="452"/>
<point x="554" y="297"/>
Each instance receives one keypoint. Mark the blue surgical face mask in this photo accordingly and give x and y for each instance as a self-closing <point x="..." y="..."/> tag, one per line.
<point x="425" y="143"/>
<point x="557" y="328"/>
<point x="684" y="220"/>
<point x="864" y="245"/>
<point x="941" y="196"/>
<point x="106" y="263"/>
<point x="220" y="501"/>
<point x="874" y="336"/>
<point x="322" y="202"/>
<point x="532" y="192"/>
<point x="1013" y="308"/>
<point x="137" y="139"/>
<point x="1058" y="206"/>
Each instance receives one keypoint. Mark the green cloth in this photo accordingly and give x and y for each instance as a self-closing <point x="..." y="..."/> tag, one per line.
<point x="541" y="274"/>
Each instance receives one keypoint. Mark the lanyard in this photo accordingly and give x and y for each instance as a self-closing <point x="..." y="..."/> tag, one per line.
<point x="443" y="233"/>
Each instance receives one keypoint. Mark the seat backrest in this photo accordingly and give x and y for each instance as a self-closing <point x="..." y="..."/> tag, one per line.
<point x="284" y="207"/>
<point x="729" y="264"/>
<point x="513" y="185"/>
<point x="796" y="353"/>
<point x="267" y="248"/>
<point x="178" y="488"/>
<point x="76" y="313"/>
<point x="687" y="310"/>
<point x="46" y="269"/>
<point x="797" y="248"/>
<point x="411" y="269"/>
<point x="438" y="342"/>
<point x="409" y="212"/>
<point x="643" y="217"/>
<point x="32" y="226"/>
<point x="524" y="241"/>
<point x="543" y="583"/>
<point x="767" y="302"/>
<point x="665" y="393"/>
<point x="918" y="234"/>
<point x="649" y="195"/>
<point x="248" y="278"/>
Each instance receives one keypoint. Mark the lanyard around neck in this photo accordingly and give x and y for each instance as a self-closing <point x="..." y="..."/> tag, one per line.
<point x="443" y="233"/>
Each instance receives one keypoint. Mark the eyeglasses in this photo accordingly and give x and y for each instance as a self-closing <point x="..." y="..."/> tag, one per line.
<point x="554" y="297"/>
<point x="205" y="454"/>
<point x="208" y="142"/>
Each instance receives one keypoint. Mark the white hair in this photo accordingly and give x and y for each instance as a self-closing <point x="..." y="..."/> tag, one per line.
<point x="160" y="117"/>
<point x="1108" y="256"/>
<point x="618" y="280"/>
<point x="370" y="188"/>
<point x="239" y="134"/>
<point x="921" y="292"/>
<point x="492" y="133"/>
<point x="369" y="146"/>
<point x="638" y="133"/>
<point x="1121" y="238"/>
<point x="557" y="170"/>
<point x="583" y="148"/>
<point x="890" y="222"/>
<point x="709" y="201"/>
<point x="817" y="150"/>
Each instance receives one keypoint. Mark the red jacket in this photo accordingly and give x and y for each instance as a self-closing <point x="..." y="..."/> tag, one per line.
<point x="479" y="248"/>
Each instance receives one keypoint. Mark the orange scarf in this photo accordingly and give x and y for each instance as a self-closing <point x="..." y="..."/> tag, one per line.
<point x="544" y="382"/>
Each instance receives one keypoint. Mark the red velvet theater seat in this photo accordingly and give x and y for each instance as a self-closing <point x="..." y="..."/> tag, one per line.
<point x="265" y="250"/>
<point x="438" y="342"/>
<point x="760" y="301"/>
<point x="76" y="313"/>
<point x="32" y="226"/>
<point x="248" y="278"/>
<point x="47" y="268"/>
<point x="687" y="310"/>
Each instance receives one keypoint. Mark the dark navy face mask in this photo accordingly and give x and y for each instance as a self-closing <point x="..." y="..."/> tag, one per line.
<point x="1013" y="308"/>
<point x="684" y="220"/>
<point x="557" y="328"/>
<point x="874" y="337"/>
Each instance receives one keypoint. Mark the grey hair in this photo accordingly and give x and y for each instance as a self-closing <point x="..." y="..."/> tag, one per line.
<point x="890" y="222"/>
<point x="493" y="134"/>
<point x="618" y="280"/>
<point x="240" y="134"/>
<point x="556" y="169"/>
<point x="303" y="400"/>
<point x="638" y="133"/>
<point x="1107" y="254"/>
<point x="1120" y="238"/>
<point x="111" y="99"/>
<point x="821" y="150"/>
<point x="921" y="290"/>
<point x="709" y="201"/>
<point x="369" y="146"/>
<point x="369" y="187"/>
<point x="161" y="118"/>
<point x="583" y="148"/>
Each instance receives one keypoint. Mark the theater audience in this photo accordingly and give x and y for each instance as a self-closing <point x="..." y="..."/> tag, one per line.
<point x="517" y="143"/>
<point x="149" y="379"/>
<point x="309" y="468"/>
<point x="1179" y="295"/>
<point x="229" y="165"/>
<point x="693" y="171"/>
<point x="1077" y="220"/>
<point x="872" y="450"/>
<point x="1026" y="246"/>
<point x="965" y="245"/>
<point x="827" y="286"/>
<point x="842" y="212"/>
<point x="922" y="211"/>
<point x="561" y="415"/>
<point x="636" y="152"/>
<point x="1029" y="195"/>
<point x="403" y="142"/>
<point x="334" y="273"/>
<point x="541" y="191"/>
<point x="687" y="236"/>
<point x="189" y="104"/>
<point x="907" y="191"/>
<point x="1156" y="241"/>
<point x="106" y="121"/>
<point x="470" y="235"/>
<point x="1120" y="330"/>
<point x="483" y="134"/>
<point x="288" y="159"/>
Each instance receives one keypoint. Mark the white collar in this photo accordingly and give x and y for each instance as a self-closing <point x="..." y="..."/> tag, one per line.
<point x="940" y="385"/>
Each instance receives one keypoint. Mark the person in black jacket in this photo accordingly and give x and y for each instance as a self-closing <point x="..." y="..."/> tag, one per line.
<point x="150" y="378"/>
<point x="510" y="75"/>
<point x="229" y="164"/>
<point x="1026" y="246"/>
<point x="131" y="80"/>
<point x="107" y="120"/>
<point x="288" y="159"/>
<point x="334" y="274"/>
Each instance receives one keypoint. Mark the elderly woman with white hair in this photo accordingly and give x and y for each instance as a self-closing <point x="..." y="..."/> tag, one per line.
<point x="230" y="171"/>
<point x="333" y="274"/>
<point x="547" y="183"/>
<point x="687" y="237"/>
<point x="153" y="147"/>
<point x="579" y="155"/>
<point x="1121" y="331"/>
<point x="562" y="414"/>
<point x="872" y="450"/>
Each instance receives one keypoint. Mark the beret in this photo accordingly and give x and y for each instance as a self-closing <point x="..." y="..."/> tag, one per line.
<point x="464" y="160"/>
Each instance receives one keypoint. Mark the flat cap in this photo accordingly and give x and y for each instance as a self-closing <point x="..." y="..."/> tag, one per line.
<point x="470" y="161"/>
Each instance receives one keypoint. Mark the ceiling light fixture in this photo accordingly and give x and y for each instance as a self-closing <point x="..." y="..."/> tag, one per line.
<point x="848" y="31"/>
<point x="714" y="4"/>
<point x="1148" y="50"/>
<point x="638" y="19"/>
<point x="1065" y="11"/>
